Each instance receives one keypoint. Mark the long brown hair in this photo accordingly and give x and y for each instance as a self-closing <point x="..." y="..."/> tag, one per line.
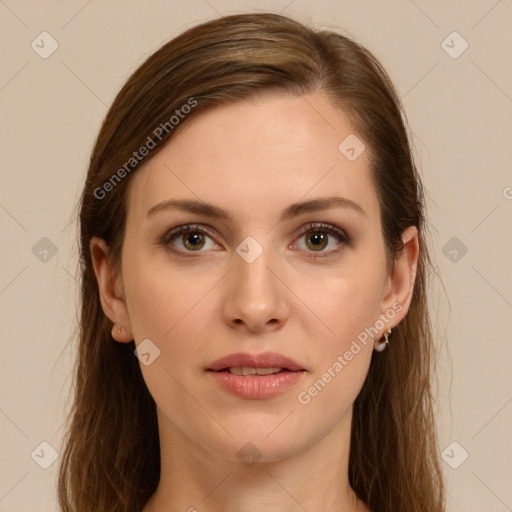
<point x="111" y="460"/>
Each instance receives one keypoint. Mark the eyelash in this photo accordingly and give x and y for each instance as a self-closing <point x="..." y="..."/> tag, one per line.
<point x="338" y="233"/>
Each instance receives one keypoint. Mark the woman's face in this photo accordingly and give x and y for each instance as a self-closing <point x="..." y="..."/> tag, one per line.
<point x="264" y="278"/>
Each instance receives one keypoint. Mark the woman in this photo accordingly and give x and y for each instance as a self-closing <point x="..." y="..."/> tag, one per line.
<point x="252" y="239"/>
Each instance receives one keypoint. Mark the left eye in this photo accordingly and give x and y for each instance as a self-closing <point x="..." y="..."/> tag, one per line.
<point x="317" y="239"/>
<point x="193" y="238"/>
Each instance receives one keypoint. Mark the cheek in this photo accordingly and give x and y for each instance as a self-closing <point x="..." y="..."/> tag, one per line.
<point x="347" y="301"/>
<point x="348" y="306"/>
<point x="342" y="357"/>
<point x="167" y="305"/>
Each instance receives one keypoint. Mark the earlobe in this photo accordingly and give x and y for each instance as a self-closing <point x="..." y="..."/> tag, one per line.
<point x="112" y="301"/>
<point x="121" y="334"/>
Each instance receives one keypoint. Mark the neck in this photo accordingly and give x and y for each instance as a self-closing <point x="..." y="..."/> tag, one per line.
<point x="195" y="480"/>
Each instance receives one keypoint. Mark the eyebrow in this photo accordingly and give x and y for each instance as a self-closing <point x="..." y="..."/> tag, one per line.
<point x="294" y="210"/>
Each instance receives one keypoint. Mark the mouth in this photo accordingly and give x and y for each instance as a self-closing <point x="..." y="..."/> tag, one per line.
<point x="247" y="371"/>
<point x="256" y="376"/>
<point x="266" y="363"/>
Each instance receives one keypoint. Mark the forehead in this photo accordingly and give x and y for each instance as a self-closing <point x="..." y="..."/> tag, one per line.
<point x="256" y="156"/>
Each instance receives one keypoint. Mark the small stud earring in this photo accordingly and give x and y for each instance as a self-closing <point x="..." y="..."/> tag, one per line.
<point x="121" y="329"/>
<point x="380" y="346"/>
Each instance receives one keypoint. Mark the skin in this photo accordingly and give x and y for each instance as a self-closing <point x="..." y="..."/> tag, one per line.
<point x="254" y="158"/>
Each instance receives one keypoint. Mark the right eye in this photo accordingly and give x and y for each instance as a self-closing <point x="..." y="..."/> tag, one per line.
<point x="190" y="236"/>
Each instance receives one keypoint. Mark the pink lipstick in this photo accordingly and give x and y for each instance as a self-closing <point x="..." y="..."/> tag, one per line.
<point x="256" y="376"/>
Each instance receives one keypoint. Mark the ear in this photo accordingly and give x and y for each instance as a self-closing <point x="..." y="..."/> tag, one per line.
<point x="111" y="291"/>
<point x="398" y="289"/>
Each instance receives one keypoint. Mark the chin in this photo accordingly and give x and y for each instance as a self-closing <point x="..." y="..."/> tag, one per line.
<point x="259" y="438"/>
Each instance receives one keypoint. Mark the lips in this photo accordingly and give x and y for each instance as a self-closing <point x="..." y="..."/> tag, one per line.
<point x="264" y="360"/>
<point x="258" y="376"/>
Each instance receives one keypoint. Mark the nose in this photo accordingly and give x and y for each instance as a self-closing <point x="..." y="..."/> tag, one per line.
<point x="256" y="296"/>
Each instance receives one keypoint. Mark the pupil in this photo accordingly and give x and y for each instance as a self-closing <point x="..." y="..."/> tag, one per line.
<point x="192" y="239"/>
<point x="317" y="240"/>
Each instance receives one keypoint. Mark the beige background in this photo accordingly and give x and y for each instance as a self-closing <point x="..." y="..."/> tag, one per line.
<point x="460" y="112"/>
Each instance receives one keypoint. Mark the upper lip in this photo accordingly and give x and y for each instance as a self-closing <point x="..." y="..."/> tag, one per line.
<point x="263" y="360"/>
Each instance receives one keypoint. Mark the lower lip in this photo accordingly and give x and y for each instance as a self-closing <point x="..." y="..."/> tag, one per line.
<point x="257" y="386"/>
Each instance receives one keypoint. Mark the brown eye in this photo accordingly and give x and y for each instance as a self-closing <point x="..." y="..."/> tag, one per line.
<point x="193" y="240"/>
<point x="318" y="240"/>
<point x="319" y="236"/>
